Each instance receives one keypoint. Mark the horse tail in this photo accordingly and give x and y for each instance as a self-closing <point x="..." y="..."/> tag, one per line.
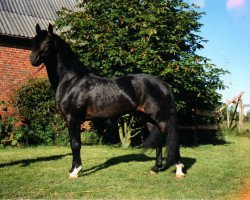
<point x="167" y="134"/>
<point x="172" y="137"/>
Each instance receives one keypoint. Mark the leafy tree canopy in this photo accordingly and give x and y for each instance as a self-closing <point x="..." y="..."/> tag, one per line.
<point x="160" y="37"/>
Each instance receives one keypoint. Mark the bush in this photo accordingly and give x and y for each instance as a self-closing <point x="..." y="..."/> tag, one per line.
<point x="35" y="103"/>
<point x="55" y="133"/>
<point x="90" y="138"/>
<point x="7" y="124"/>
<point x="35" y="134"/>
<point x="60" y="131"/>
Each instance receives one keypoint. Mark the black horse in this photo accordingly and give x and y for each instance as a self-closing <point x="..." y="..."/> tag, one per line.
<point x="81" y="95"/>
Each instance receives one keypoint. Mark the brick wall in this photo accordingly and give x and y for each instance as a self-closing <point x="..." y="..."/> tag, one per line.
<point x="15" y="67"/>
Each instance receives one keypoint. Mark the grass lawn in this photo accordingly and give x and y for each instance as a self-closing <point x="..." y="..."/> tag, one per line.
<point x="247" y="125"/>
<point x="213" y="172"/>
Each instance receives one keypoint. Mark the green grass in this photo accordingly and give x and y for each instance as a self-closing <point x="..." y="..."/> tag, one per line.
<point x="247" y="125"/>
<point x="213" y="172"/>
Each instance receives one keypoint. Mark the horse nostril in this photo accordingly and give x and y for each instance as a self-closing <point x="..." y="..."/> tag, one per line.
<point x="34" y="59"/>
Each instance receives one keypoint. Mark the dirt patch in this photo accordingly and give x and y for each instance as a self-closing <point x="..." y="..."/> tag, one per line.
<point x="246" y="192"/>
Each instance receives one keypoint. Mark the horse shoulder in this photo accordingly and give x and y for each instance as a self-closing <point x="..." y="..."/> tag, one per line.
<point x="72" y="94"/>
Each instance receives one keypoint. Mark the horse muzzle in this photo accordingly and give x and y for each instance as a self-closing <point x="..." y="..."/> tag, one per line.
<point x="35" y="60"/>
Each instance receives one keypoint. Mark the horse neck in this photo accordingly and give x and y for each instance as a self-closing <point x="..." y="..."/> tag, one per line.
<point x="65" y="64"/>
<point x="52" y="73"/>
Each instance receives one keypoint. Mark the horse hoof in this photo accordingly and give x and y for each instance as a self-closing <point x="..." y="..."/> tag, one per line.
<point x="155" y="169"/>
<point x="74" y="173"/>
<point x="179" y="176"/>
<point x="73" y="176"/>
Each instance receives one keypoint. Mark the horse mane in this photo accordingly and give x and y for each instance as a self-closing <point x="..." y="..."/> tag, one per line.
<point x="68" y="57"/>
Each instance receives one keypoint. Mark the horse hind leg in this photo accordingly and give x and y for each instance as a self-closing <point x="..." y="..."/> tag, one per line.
<point x="164" y="129"/>
<point x="158" y="161"/>
<point x="172" y="145"/>
<point x="155" y="140"/>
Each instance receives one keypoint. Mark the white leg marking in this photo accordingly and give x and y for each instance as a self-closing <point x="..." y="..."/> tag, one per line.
<point x="179" y="173"/>
<point x="75" y="172"/>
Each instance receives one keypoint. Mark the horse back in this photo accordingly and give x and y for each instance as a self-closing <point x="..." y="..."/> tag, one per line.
<point x="143" y="86"/>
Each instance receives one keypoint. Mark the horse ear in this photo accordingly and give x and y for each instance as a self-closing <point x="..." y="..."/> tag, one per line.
<point x="38" y="29"/>
<point x="50" y="29"/>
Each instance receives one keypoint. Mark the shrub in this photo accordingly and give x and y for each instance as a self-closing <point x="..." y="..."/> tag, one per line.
<point x="55" y="133"/>
<point x="90" y="138"/>
<point x="35" y="134"/>
<point x="60" y="131"/>
<point x="35" y="103"/>
<point x="7" y="124"/>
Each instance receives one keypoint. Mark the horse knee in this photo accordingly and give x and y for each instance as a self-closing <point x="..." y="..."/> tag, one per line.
<point x="76" y="144"/>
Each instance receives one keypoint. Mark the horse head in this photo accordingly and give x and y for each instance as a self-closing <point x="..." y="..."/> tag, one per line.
<point x="42" y="46"/>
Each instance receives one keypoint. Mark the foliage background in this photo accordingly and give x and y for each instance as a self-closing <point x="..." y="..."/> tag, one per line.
<point x="116" y="38"/>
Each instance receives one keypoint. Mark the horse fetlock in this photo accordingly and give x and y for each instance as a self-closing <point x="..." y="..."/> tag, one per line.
<point x="74" y="173"/>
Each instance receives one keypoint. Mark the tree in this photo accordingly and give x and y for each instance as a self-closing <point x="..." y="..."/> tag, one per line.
<point x="160" y="37"/>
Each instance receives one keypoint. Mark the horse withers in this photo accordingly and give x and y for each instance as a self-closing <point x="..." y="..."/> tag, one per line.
<point x="82" y="96"/>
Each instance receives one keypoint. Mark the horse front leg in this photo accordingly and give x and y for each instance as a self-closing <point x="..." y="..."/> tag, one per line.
<point x="75" y="142"/>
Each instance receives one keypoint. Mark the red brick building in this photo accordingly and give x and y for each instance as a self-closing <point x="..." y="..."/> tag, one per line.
<point x="14" y="68"/>
<point x="17" y="28"/>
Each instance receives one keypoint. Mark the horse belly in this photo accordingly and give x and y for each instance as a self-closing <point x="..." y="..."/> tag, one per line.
<point x="108" y="106"/>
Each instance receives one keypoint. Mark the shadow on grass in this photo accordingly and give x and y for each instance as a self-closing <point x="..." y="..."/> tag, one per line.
<point x="27" y="162"/>
<point x="188" y="162"/>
